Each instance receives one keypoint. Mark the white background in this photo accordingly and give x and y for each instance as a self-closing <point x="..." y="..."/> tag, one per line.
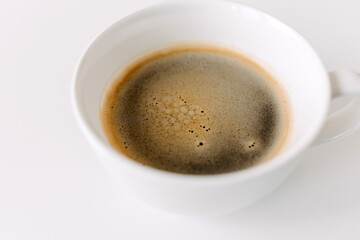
<point x="51" y="185"/>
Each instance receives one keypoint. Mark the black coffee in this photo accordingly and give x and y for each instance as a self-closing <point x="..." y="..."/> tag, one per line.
<point x="196" y="111"/>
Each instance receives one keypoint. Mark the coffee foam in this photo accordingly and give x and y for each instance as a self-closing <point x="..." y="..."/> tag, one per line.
<point x="198" y="112"/>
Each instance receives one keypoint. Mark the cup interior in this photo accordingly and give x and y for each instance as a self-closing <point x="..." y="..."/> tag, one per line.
<point x="272" y="44"/>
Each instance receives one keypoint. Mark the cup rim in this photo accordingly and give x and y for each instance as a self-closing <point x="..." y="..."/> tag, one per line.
<point x="140" y="169"/>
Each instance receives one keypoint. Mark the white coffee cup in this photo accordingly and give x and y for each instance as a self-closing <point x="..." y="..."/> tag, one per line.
<point x="269" y="42"/>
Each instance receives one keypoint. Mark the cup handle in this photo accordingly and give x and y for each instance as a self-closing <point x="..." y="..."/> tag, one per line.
<point x="346" y="120"/>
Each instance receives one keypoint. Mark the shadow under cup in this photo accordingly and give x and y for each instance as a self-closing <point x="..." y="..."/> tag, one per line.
<point x="276" y="47"/>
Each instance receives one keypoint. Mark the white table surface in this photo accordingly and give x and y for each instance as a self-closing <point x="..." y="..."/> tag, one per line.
<point x="52" y="186"/>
